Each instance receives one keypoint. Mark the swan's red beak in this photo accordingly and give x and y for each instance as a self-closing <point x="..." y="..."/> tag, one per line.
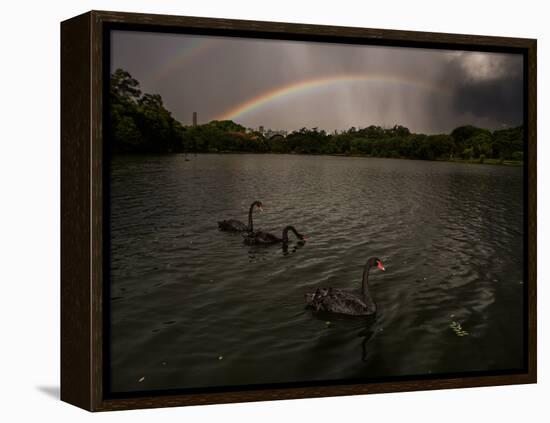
<point x="381" y="266"/>
<point x="305" y="237"/>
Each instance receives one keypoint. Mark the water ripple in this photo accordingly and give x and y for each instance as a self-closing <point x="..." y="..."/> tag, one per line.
<point x="192" y="306"/>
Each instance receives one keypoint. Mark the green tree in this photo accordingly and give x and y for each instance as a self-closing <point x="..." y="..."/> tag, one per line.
<point x="507" y="142"/>
<point x="139" y="123"/>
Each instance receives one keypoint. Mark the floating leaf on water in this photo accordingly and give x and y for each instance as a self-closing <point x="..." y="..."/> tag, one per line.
<point x="220" y="357"/>
<point x="327" y="323"/>
<point x="141" y="379"/>
<point x="457" y="328"/>
<point x="164" y="363"/>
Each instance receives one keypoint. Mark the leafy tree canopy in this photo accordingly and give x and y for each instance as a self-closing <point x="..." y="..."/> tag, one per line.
<point x="141" y="124"/>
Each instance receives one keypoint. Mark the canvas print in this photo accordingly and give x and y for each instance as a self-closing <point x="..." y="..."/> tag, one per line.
<point x="289" y="212"/>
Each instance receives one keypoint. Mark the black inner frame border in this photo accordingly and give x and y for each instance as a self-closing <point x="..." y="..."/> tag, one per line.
<point x="107" y="27"/>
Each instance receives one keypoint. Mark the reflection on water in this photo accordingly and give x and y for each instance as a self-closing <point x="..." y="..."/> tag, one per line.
<point x="195" y="307"/>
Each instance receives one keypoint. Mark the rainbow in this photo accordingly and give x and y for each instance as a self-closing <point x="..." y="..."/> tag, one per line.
<point x="191" y="50"/>
<point x="299" y="87"/>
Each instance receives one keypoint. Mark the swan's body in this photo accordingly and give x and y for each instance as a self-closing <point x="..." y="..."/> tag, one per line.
<point x="338" y="301"/>
<point x="266" y="238"/>
<point x="233" y="225"/>
<point x="335" y="300"/>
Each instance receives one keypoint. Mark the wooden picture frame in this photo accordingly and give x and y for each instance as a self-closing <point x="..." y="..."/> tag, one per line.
<point x="83" y="257"/>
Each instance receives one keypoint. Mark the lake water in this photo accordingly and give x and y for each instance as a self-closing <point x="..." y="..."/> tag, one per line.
<point x="193" y="307"/>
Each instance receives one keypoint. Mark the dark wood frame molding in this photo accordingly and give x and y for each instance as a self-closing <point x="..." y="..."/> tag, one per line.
<point x="82" y="311"/>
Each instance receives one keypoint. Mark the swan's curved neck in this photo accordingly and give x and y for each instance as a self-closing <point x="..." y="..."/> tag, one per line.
<point x="250" y="224"/>
<point x="365" y="288"/>
<point x="285" y="233"/>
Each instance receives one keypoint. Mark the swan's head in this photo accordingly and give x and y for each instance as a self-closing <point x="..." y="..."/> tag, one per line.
<point x="259" y="205"/>
<point x="301" y="237"/>
<point x="375" y="261"/>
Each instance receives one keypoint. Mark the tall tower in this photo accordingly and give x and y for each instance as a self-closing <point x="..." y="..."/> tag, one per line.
<point x="194" y="118"/>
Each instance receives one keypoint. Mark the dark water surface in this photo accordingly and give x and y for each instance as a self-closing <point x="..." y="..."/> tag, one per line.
<point x="194" y="307"/>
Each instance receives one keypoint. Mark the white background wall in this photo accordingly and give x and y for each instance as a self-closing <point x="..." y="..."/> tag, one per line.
<point x="29" y="212"/>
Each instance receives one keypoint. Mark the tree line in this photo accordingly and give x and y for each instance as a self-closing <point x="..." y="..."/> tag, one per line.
<point x="139" y="123"/>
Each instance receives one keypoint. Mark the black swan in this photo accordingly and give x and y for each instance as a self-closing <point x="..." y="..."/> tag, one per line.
<point x="335" y="300"/>
<point x="265" y="238"/>
<point x="233" y="225"/>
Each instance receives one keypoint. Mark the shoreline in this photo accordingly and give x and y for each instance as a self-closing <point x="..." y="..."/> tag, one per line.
<point x="492" y="162"/>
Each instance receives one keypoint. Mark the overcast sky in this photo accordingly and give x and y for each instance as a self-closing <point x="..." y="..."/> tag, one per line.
<point x="293" y="84"/>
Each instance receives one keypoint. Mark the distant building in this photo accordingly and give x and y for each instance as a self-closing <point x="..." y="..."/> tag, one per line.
<point x="268" y="133"/>
<point x="194" y="118"/>
<point x="272" y="132"/>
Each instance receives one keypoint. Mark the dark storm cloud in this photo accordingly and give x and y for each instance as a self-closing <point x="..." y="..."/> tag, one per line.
<point x="425" y="90"/>
<point x="493" y="90"/>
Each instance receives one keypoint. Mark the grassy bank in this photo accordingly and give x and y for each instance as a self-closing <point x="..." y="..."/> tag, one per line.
<point x="488" y="161"/>
<point x="497" y="162"/>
